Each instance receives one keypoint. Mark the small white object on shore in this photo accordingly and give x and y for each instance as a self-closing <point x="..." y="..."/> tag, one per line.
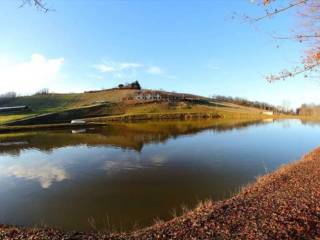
<point x="78" y="121"/>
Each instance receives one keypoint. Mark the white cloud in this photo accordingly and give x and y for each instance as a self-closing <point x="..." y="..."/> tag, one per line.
<point x="155" y="70"/>
<point x="125" y="68"/>
<point x="29" y="76"/>
<point x="104" y="68"/>
<point x="213" y="67"/>
<point x="213" y="64"/>
<point x="110" y="67"/>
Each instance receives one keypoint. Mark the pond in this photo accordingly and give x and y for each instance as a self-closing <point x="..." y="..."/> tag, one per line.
<point x="127" y="175"/>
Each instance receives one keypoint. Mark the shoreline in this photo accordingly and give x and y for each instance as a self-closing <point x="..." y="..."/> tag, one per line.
<point x="142" y="117"/>
<point x="44" y="127"/>
<point x="283" y="204"/>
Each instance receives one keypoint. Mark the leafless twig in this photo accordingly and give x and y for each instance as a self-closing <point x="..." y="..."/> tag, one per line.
<point x="39" y="4"/>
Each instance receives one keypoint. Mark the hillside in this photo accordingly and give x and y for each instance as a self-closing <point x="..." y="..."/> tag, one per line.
<point x="52" y="103"/>
<point x="61" y="108"/>
<point x="56" y="102"/>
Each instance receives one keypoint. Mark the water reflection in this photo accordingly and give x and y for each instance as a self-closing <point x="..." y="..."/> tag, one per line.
<point x="311" y="122"/>
<point x="4" y="144"/>
<point x="136" y="172"/>
<point x="44" y="172"/>
<point x="126" y="136"/>
<point x="78" y="131"/>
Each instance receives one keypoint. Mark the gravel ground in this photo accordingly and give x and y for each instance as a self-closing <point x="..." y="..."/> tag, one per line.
<point x="281" y="205"/>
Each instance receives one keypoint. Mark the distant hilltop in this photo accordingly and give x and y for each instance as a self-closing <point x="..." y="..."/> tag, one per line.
<point x="146" y="95"/>
<point x="134" y="85"/>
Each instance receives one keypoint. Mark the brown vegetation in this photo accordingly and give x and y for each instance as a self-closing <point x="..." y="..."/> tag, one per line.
<point x="309" y="110"/>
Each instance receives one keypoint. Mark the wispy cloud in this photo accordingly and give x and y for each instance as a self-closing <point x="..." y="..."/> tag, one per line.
<point x="128" y="65"/>
<point x="155" y="70"/>
<point x="104" y="68"/>
<point x="29" y="76"/>
<point x="213" y="67"/>
<point x="111" y="67"/>
<point x="119" y="68"/>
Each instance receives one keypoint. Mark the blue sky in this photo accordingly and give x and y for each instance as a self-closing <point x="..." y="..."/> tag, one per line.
<point x="183" y="46"/>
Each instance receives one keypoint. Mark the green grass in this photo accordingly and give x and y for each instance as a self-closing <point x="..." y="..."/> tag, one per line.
<point x="7" y="118"/>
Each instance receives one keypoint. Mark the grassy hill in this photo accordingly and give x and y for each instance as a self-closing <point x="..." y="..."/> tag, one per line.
<point x="61" y="108"/>
<point x="57" y="102"/>
<point x="52" y="103"/>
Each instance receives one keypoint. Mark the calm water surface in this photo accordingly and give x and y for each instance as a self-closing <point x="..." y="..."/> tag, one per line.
<point x="130" y="174"/>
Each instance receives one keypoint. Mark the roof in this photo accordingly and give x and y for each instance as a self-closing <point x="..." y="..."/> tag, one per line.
<point x="12" y="108"/>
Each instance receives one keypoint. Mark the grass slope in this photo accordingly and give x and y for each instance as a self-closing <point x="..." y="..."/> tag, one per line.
<point x="83" y="105"/>
<point x="43" y="104"/>
<point x="56" y="102"/>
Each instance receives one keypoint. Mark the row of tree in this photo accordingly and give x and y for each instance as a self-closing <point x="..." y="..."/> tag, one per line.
<point x="256" y="104"/>
<point x="309" y="110"/>
<point x="5" y="97"/>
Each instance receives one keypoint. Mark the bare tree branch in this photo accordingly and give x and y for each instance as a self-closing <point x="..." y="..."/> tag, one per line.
<point x="300" y="38"/>
<point x="308" y="14"/>
<point x="284" y="74"/>
<point x="39" y="4"/>
<point x="271" y="13"/>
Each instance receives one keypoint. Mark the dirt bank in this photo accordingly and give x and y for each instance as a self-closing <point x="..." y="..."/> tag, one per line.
<point x="281" y="205"/>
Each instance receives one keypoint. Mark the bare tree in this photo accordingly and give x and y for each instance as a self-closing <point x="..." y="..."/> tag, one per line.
<point x="7" y="96"/>
<point x="39" y="4"/>
<point x="43" y="91"/>
<point x="308" y="15"/>
<point x="285" y="106"/>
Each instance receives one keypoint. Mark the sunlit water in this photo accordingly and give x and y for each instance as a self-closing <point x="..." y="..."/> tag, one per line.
<point x="126" y="175"/>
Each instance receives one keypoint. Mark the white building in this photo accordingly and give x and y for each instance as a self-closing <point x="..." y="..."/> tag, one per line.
<point x="269" y="113"/>
<point x="149" y="96"/>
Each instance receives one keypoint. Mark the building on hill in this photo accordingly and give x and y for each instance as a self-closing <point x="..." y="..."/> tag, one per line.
<point x="162" y="96"/>
<point x="149" y="96"/>
<point x="133" y="85"/>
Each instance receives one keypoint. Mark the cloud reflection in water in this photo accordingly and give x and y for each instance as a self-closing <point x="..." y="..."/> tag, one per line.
<point x="42" y="171"/>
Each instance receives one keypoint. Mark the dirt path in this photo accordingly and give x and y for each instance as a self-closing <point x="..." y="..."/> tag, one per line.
<point x="282" y="205"/>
